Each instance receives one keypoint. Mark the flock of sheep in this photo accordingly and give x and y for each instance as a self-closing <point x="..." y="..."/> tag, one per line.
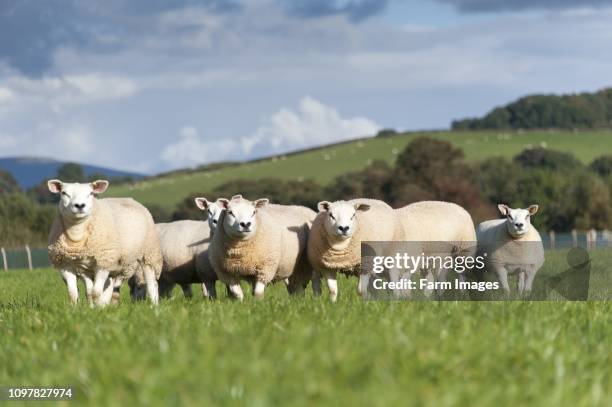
<point x="108" y="241"/>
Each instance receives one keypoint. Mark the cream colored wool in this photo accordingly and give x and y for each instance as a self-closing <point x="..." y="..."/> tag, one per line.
<point x="379" y="223"/>
<point x="502" y="249"/>
<point x="120" y="237"/>
<point x="429" y="222"/>
<point x="276" y="252"/>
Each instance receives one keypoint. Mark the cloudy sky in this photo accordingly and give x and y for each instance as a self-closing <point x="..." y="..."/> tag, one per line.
<point x="156" y="85"/>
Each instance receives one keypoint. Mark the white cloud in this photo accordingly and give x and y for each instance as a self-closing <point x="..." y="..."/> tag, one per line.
<point x="191" y="150"/>
<point x="312" y="124"/>
<point x="5" y="95"/>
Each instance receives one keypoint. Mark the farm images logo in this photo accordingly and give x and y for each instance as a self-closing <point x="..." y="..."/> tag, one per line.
<point x="465" y="271"/>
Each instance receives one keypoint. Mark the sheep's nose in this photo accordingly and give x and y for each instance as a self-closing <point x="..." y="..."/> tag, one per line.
<point x="245" y="224"/>
<point x="79" y="206"/>
<point x="519" y="225"/>
<point x="343" y="229"/>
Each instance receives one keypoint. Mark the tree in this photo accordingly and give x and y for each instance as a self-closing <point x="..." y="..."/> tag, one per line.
<point x="602" y="165"/>
<point x="71" y="172"/>
<point x="547" y="159"/>
<point x="8" y="183"/>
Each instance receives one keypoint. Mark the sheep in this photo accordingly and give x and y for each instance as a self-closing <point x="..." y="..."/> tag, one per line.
<point x="334" y="243"/>
<point x="212" y="211"/>
<point x="102" y="240"/>
<point x="512" y="245"/>
<point x="438" y="228"/>
<point x="261" y="243"/>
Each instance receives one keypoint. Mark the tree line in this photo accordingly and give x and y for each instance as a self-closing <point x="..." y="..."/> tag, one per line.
<point x="579" y="111"/>
<point x="571" y="195"/>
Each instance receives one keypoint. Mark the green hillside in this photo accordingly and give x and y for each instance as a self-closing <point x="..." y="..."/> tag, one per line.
<point x="324" y="164"/>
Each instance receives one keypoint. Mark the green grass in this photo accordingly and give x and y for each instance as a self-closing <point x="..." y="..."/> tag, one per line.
<point x="325" y="164"/>
<point x="306" y="351"/>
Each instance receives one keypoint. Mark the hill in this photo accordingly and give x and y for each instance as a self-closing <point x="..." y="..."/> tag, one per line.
<point x="29" y="171"/>
<point x="324" y="164"/>
<point x="577" y="111"/>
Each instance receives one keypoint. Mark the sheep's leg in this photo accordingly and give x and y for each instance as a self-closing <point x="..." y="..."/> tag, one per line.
<point x="116" y="290"/>
<point x="316" y="283"/>
<point x="88" y="289"/>
<point x="107" y="294"/>
<point x="151" y="282"/>
<point x="211" y="289"/>
<point x="521" y="282"/>
<point x="430" y="281"/>
<point x="99" y="284"/>
<point x="530" y="275"/>
<point x="502" y="276"/>
<point x="332" y="284"/>
<point x="187" y="290"/>
<point x="442" y="277"/>
<point x="71" y="284"/>
<point x="236" y="290"/>
<point x="260" y="286"/>
<point x="364" y="283"/>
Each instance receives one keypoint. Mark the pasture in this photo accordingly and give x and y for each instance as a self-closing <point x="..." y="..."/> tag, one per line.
<point x="323" y="165"/>
<point x="308" y="351"/>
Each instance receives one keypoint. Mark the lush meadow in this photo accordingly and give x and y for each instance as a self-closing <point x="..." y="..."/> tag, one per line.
<point x="306" y="351"/>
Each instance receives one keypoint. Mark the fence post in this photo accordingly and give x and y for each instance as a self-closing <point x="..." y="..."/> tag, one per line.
<point x="551" y="238"/>
<point x="574" y="238"/>
<point x="29" y="254"/>
<point x="4" y="259"/>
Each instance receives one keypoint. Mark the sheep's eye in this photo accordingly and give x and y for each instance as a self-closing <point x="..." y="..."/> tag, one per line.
<point x="64" y="193"/>
<point x="331" y="216"/>
<point x="353" y="217"/>
<point x="253" y="213"/>
<point x="210" y="212"/>
<point x="91" y="194"/>
<point x="230" y="213"/>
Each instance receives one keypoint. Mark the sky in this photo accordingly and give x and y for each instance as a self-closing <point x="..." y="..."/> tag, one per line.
<point x="151" y="86"/>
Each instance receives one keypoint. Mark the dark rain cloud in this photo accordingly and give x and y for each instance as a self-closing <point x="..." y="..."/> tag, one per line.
<point x="479" y="6"/>
<point x="31" y="30"/>
<point x="355" y="10"/>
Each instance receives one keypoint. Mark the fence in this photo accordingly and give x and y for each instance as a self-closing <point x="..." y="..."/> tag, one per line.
<point x="27" y="258"/>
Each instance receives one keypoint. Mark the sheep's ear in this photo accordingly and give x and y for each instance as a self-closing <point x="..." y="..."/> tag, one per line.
<point x="54" y="185"/>
<point x="202" y="203"/>
<point x="261" y="202"/>
<point x="99" y="186"/>
<point x="223" y="202"/>
<point x="533" y="209"/>
<point x="361" y="207"/>
<point x="323" y="206"/>
<point x="503" y="209"/>
<point x="237" y="197"/>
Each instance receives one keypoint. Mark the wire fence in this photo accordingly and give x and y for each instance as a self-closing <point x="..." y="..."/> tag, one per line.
<point x="31" y="258"/>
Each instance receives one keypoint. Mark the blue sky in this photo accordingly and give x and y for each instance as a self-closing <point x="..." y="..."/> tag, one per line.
<point x="163" y="84"/>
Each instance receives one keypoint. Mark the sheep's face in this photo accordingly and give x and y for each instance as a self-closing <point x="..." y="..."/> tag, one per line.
<point x="518" y="221"/>
<point x="240" y="219"/>
<point x="76" y="200"/>
<point x="341" y="217"/>
<point x="212" y="211"/>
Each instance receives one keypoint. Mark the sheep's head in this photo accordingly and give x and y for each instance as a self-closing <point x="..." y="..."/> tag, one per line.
<point x="212" y="211"/>
<point x="341" y="217"/>
<point x="76" y="200"/>
<point x="240" y="220"/>
<point x="518" y="221"/>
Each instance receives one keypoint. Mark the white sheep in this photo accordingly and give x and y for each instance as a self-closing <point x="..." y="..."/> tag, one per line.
<point x="212" y="211"/>
<point x="438" y="228"/>
<point x="334" y="244"/>
<point x="102" y="241"/>
<point x="262" y="244"/>
<point x="512" y="245"/>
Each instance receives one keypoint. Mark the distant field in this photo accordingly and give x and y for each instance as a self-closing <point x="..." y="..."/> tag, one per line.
<point x="325" y="164"/>
<point x="306" y="351"/>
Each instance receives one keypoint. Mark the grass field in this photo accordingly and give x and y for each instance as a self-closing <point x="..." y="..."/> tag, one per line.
<point x="325" y="164"/>
<point x="307" y="351"/>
